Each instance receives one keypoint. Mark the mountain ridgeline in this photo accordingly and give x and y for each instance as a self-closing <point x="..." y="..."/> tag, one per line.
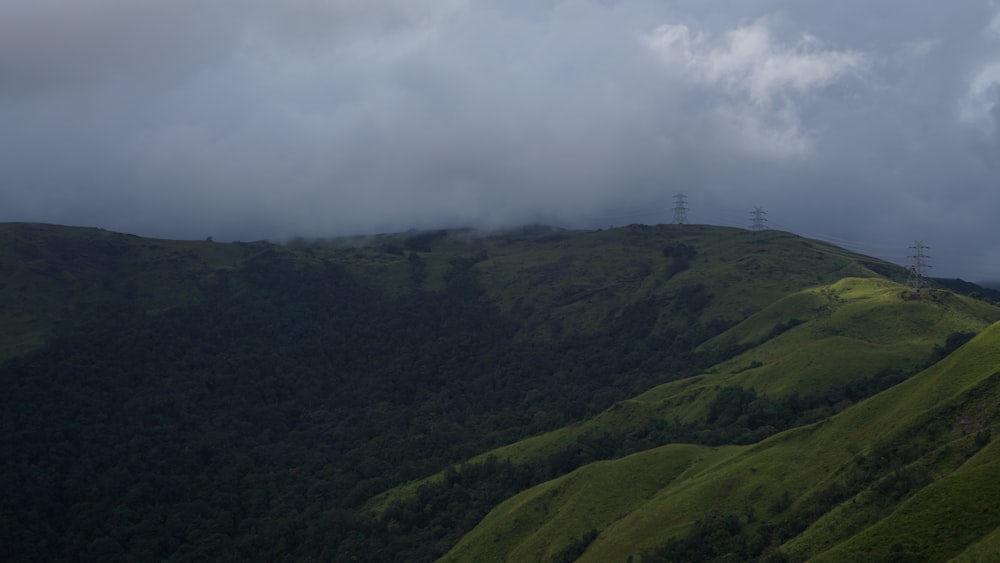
<point x="644" y="393"/>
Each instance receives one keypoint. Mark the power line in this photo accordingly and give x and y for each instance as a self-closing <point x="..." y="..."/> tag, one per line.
<point x="882" y="250"/>
<point x="864" y="246"/>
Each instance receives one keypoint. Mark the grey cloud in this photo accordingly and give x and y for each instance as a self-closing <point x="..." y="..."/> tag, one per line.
<point x="872" y="122"/>
<point x="53" y="44"/>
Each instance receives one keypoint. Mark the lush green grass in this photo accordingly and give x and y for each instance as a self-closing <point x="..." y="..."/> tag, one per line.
<point x="823" y="351"/>
<point x="944" y="518"/>
<point x="850" y="330"/>
<point x="754" y="481"/>
<point x="983" y="551"/>
<point x="566" y="283"/>
<point x="944" y="414"/>
<point x="537" y="524"/>
<point x="575" y="281"/>
<point x="935" y="524"/>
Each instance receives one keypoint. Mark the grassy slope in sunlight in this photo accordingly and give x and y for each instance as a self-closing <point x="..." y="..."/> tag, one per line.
<point x="746" y="480"/>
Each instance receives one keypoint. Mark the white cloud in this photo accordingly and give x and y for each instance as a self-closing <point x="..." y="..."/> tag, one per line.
<point x="979" y="106"/>
<point x="761" y="83"/>
<point x="982" y="98"/>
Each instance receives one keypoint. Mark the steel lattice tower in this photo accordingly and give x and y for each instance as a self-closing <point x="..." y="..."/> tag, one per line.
<point x="758" y="220"/>
<point x="918" y="263"/>
<point x="680" y="209"/>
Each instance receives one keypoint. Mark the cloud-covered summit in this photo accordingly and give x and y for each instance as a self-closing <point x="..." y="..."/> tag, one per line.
<point x="867" y="123"/>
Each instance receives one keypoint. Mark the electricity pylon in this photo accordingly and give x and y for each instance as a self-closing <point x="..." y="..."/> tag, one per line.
<point x="918" y="263"/>
<point x="758" y="219"/>
<point x="680" y="209"/>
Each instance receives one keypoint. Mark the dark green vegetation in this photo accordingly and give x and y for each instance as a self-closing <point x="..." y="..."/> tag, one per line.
<point x="537" y="395"/>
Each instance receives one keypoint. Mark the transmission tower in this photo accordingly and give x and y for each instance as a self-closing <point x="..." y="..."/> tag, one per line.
<point x="918" y="263"/>
<point x="680" y="209"/>
<point x="758" y="220"/>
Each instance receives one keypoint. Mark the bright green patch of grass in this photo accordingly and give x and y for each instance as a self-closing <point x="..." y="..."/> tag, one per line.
<point x="936" y="524"/>
<point x="537" y="524"/>
<point x="801" y="464"/>
<point x="822" y="351"/>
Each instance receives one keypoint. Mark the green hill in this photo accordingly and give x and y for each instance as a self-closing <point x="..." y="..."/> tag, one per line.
<point x="807" y="356"/>
<point x="906" y="472"/>
<point x="48" y="271"/>
<point x="373" y="398"/>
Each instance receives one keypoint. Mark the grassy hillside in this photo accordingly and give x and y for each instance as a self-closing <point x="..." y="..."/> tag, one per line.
<point x="373" y="398"/>
<point x="555" y="281"/>
<point x="909" y="471"/>
<point x="807" y="356"/>
<point x="47" y="272"/>
<point x="569" y="281"/>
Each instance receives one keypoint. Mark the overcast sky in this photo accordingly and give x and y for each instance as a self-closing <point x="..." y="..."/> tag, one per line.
<point x="871" y="123"/>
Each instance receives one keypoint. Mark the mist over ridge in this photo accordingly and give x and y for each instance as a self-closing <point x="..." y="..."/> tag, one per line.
<point x="867" y="122"/>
